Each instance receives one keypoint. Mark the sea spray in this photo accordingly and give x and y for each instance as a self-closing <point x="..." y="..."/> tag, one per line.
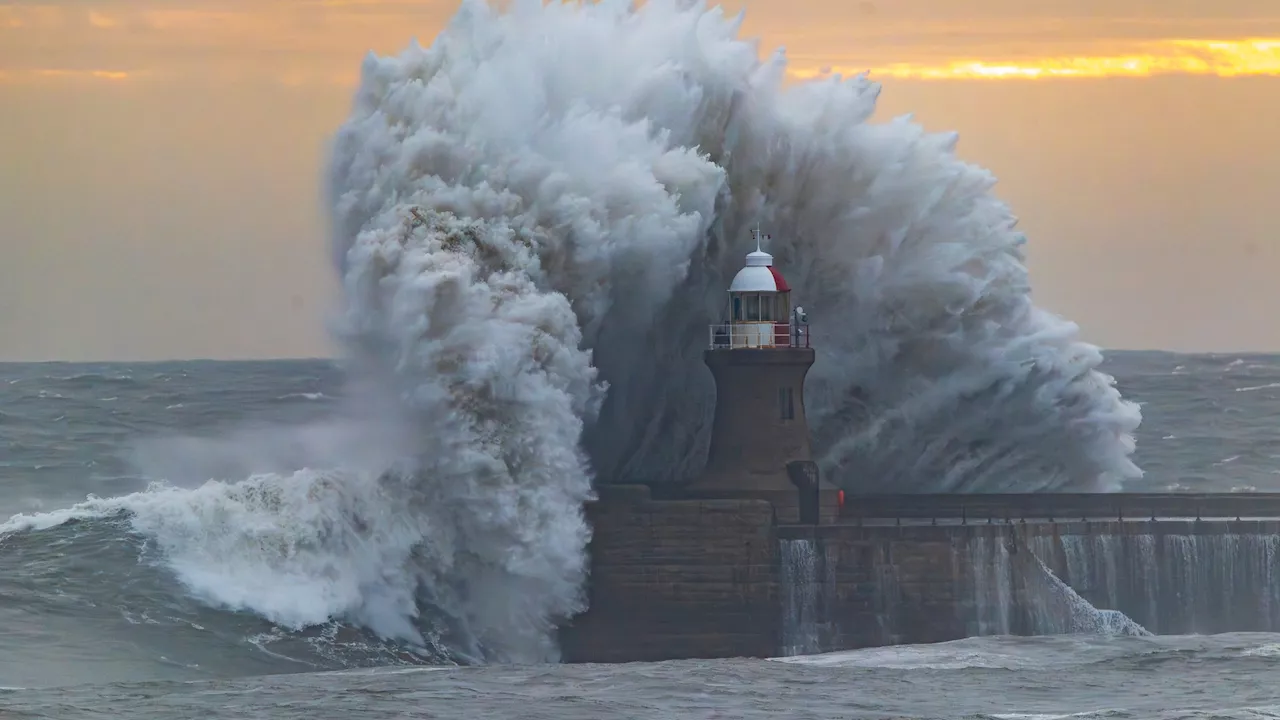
<point x="490" y="374"/>
<point x="633" y="148"/>
<point x="535" y="218"/>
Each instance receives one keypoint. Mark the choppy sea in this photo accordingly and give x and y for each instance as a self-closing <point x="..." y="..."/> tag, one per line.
<point x="95" y="622"/>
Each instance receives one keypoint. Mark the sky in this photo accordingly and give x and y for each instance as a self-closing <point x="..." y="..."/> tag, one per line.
<point x="160" y="160"/>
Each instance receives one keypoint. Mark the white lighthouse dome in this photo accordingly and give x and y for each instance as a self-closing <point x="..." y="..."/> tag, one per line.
<point x="759" y="275"/>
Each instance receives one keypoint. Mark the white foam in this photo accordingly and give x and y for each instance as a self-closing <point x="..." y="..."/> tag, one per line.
<point x="1050" y="715"/>
<point x="912" y="657"/>
<point x="304" y="548"/>
<point x="1255" y="388"/>
<point x="1270" y="650"/>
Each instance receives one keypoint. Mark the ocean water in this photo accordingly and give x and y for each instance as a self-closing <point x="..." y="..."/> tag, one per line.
<point x="110" y="608"/>
<point x="534" y="219"/>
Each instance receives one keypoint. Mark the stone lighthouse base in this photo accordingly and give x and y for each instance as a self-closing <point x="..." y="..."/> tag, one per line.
<point x="806" y="499"/>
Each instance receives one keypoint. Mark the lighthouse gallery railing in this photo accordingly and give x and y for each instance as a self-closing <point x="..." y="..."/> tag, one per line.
<point x="728" y="336"/>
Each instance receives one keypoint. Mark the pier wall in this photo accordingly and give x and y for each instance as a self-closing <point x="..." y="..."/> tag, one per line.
<point x="677" y="578"/>
<point x="888" y="584"/>
<point x="979" y="507"/>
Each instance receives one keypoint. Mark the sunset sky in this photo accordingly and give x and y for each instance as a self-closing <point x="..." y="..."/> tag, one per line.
<point x="160" y="160"/>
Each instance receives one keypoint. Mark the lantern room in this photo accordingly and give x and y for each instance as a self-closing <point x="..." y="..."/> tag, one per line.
<point x="760" y="313"/>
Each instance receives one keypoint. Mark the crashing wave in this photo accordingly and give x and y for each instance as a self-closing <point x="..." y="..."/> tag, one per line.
<point x="535" y="219"/>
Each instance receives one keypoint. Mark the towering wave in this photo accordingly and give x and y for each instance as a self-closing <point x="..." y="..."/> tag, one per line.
<point x="535" y="219"/>
<point x="601" y="165"/>
<point x="537" y="216"/>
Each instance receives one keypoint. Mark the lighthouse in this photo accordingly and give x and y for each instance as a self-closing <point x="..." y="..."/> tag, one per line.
<point x="759" y="356"/>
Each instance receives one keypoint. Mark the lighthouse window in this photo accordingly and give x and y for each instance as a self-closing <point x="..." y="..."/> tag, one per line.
<point x="737" y="308"/>
<point x="753" y="307"/>
<point x="786" y="403"/>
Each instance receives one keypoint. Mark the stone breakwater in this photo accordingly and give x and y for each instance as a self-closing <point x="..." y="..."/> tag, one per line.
<point x="683" y="578"/>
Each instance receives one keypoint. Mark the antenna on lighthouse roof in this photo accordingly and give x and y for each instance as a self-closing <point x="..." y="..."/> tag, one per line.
<point x="756" y="232"/>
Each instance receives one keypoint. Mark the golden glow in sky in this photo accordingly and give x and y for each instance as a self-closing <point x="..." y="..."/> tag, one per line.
<point x="321" y="42"/>
<point x="190" y="137"/>
<point x="1221" y="58"/>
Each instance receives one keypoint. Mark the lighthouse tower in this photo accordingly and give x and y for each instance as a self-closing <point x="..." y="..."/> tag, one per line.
<point x="759" y="358"/>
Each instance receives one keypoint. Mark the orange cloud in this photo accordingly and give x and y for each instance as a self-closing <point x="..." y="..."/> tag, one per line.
<point x="1221" y="58"/>
<point x="102" y="21"/>
<point x="321" y="42"/>
<point x="30" y="16"/>
<point x="10" y="77"/>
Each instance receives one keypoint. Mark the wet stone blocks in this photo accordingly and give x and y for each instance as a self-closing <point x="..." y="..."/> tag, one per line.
<point x="700" y="578"/>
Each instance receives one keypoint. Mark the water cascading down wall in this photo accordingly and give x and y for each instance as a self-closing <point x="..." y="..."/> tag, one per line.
<point x="847" y="586"/>
<point x="697" y="578"/>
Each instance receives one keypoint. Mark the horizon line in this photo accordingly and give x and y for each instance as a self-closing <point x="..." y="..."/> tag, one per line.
<point x="339" y="358"/>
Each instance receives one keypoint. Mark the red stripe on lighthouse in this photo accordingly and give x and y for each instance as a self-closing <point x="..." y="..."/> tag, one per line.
<point x="779" y="280"/>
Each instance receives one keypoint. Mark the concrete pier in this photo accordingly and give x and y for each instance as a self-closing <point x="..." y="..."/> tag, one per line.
<point x="683" y="578"/>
